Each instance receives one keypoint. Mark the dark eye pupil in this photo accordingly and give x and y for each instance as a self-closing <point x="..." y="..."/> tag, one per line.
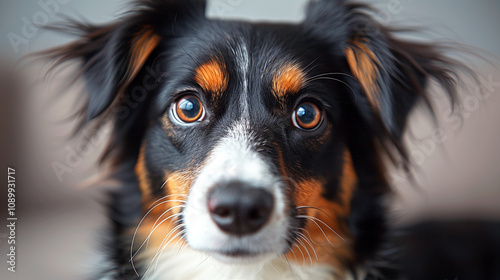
<point x="190" y="107"/>
<point x="306" y="113"/>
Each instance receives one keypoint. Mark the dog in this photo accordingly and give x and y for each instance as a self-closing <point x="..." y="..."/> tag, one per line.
<point x="254" y="150"/>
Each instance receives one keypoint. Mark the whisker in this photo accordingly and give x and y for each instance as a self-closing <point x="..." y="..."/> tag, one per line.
<point x="337" y="80"/>
<point x="318" y="209"/>
<point x="135" y="233"/>
<point x="309" y="235"/>
<point x="308" y="242"/>
<point x="180" y="245"/>
<point x="201" y="262"/>
<point x="180" y="233"/>
<point x="166" y="196"/>
<point x="294" y="255"/>
<point x="311" y="239"/>
<point x="153" y="230"/>
<point x="292" y="242"/>
<point x="133" y="238"/>
<point x="165" y="212"/>
<point x="319" y="220"/>
<point x="168" y="235"/>
<point x="171" y="216"/>
<point x="303" y="256"/>
<point x="282" y="262"/>
<point x="289" y="266"/>
<point x="305" y="248"/>
<point x="160" y="248"/>
<point x="164" y="183"/>
<point x="332" y="73"/>
<point x="272" y="265"/>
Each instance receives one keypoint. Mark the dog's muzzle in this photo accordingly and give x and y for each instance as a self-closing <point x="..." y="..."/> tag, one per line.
<point x="236" y="206"/>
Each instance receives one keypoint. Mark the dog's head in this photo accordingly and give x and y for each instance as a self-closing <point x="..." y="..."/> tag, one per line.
<point x="255" y="140"/>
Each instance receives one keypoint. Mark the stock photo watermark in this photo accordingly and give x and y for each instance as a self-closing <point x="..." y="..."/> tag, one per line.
<point x="471" y="101"/>
<point x="393" y="7"/>
<point x="11" y="219"/>
<point x="220" y="8"/>
<point x="31" y="25"/>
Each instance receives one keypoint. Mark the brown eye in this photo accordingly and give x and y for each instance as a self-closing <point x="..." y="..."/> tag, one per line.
<point x="189" y="109"/>
<point x="308" y="116"/>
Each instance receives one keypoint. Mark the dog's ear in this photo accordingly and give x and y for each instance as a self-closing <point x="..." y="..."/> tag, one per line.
<point x="114" y="57"/>
<point x="111" y="56"/>
<point x="390" y="74"/>
<point x="394" y="74"/>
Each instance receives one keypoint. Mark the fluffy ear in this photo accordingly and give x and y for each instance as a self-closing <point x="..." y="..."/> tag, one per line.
<point x="393" y="74"/>
<point x="390" y="74"/>
<point x="115" y="56"/>
<point x="111" y="56"/>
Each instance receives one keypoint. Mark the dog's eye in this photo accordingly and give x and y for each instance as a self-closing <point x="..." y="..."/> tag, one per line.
<point x="188" y="109"/>
<point x="307" y="116"/>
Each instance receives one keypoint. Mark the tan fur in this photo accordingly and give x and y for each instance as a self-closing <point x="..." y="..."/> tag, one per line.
<point x="288" y="80"/>
<point x="363" y="64"/>
<point x="145" y="42"/>
<point x="212" y="77"/>
<point x="331" y="247"/>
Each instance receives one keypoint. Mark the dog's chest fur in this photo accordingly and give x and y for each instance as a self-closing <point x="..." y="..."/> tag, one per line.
<point x="188" y="264"/>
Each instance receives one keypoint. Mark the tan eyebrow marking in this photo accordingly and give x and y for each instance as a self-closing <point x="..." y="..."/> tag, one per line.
<point x="212" y="77"/>
<point x="288" y="80"/>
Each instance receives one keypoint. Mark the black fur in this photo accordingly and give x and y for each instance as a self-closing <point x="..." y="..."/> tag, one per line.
<point x="188" y="39"/>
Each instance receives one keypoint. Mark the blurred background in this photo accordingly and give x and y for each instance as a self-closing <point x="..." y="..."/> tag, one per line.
<point x="456" y="163"/>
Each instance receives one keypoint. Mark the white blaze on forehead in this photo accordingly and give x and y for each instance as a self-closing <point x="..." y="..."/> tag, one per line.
<point x="234" y="158"/>
<point x="242" y="58"/>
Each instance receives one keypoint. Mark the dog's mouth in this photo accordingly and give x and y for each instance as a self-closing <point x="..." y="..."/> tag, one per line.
<point x="239" y="255"/>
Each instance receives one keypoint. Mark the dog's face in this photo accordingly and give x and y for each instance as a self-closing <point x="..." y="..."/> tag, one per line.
<point x="251" y="141"/>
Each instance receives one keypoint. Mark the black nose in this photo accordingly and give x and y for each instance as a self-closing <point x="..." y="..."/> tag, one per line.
<point x="239" y="209"/>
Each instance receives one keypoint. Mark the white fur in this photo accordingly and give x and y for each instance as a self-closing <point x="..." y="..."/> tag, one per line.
<point x="243" y="59"/>
<point x="235" y="158"/>
<point x="193" y="265"/>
